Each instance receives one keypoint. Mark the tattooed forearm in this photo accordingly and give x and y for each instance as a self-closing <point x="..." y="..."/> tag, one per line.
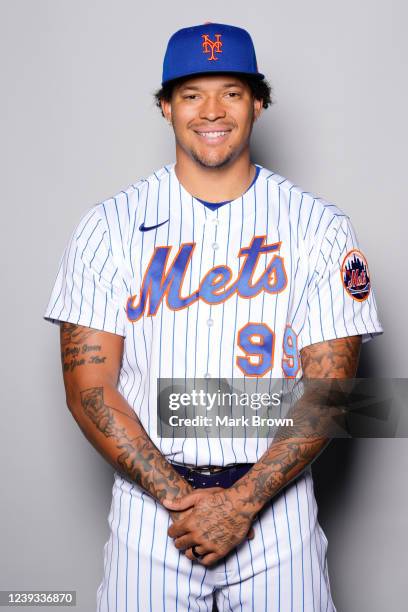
<point x="136" y="456"/>
<point x="294" y="448"/>
<point x="112" y="426"/>
<point x="276" y="469"/>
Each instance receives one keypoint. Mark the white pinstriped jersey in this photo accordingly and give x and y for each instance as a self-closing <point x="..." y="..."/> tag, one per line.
<point x="194" y="296"/>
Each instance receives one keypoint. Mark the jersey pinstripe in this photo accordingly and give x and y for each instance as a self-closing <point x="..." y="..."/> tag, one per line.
<point x="282" y="252"/>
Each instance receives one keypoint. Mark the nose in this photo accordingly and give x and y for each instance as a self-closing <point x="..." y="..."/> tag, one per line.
<point x="212" y="109"/>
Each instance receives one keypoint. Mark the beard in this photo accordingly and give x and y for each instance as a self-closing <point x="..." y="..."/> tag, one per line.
<point x="208" y="161"/>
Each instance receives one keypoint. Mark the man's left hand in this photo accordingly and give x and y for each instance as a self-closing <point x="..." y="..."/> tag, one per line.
<point x="216" y="525"/>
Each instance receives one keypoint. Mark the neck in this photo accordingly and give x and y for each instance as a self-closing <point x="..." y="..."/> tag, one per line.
<point x="215" y="184"/>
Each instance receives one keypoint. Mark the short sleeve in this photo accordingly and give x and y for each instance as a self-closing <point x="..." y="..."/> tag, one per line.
<point x="340" y="298"/>
<point x="89" y="289"/>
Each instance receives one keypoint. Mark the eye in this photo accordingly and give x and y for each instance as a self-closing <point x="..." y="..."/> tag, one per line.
<point x="190" y="97"/>
<point x="233" y="94"/>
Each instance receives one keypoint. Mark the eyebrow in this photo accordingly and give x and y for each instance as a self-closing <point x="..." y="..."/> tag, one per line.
<point x="224" y="86"/>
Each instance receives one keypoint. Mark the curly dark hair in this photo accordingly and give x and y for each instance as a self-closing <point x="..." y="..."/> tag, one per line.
<point x="260" y="89"/>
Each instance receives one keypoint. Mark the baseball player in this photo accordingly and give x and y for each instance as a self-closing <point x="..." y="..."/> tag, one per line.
<point x="212" y="267"/>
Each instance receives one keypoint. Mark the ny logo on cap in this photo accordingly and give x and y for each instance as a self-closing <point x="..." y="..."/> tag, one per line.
<point x="212" y="46"/>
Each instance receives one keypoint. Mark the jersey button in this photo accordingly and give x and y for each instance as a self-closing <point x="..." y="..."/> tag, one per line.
<point x="215" y="245"/>
<point x="210" y="322"/>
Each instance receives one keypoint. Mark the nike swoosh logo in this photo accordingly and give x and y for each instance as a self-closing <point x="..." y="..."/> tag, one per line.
<point x="147" y="228"/>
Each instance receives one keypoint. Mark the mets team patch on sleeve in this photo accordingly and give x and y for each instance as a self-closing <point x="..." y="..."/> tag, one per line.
<point x="355" y="276"/>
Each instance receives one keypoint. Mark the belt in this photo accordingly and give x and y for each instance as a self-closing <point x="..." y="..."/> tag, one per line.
<point x="201" y="477"/>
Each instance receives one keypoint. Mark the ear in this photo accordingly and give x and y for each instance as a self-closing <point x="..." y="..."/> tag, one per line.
<point x="166" y="108"/>
<point x="258" y="108"/>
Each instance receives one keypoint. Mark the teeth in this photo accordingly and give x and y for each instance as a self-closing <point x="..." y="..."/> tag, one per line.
<point x="212" y="134"/>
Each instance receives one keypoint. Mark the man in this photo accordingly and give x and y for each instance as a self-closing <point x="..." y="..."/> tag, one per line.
<point x="210" y="268"/>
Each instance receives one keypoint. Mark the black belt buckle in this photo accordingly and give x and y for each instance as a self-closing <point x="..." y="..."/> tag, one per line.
<point x="189" y="476"/>
<point x="224" y="478"/>
<point x="201" y="481"/>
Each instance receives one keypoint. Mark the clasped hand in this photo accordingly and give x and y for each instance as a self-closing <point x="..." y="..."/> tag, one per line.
<point x="214" y="524"/>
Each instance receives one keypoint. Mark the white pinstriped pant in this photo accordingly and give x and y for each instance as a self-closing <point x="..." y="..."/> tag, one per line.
<point x="283" y="569"/>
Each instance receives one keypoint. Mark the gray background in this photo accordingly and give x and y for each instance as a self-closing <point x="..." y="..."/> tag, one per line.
<point x="78" y="124"/>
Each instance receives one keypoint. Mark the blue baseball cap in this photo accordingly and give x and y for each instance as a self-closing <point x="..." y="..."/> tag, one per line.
<point x="207" y="48"/>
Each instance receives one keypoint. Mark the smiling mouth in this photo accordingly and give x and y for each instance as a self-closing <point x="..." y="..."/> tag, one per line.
<point x="214" y="135"/>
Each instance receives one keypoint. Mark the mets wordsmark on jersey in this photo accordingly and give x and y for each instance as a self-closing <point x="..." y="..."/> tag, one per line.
<point x="214" y="287"/>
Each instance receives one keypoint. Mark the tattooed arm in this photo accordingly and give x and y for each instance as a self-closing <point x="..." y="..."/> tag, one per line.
<point x="220" y="520"/>
<point x="294" y="448"/>
<point x="91" y="362"/>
